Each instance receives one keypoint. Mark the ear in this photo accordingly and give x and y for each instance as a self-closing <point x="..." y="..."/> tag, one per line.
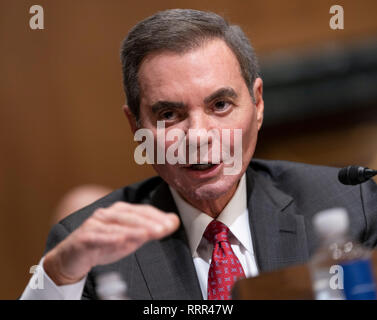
<point x="259" y="103"/>
<point x="131" y="118"/>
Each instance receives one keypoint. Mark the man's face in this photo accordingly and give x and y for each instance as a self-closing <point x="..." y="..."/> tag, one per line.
<point x="200" y="89"/>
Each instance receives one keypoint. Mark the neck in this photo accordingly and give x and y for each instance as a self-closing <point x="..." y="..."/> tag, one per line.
<point x="213" y="207"/>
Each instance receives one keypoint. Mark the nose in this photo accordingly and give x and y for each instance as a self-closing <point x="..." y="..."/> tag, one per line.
<point x="198" y="140"/>
<point x="198" y="119"/>
<point x="198" y="125"/>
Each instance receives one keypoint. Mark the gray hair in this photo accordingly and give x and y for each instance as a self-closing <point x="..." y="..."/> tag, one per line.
<point x="181" y="30"/>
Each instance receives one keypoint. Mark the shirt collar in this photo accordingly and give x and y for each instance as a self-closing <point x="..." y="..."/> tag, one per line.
<point x="234" y="216"/>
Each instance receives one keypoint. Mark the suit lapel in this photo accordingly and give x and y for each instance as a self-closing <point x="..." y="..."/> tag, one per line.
<point x="278" y="233"/>
<point x="167" y="264"/>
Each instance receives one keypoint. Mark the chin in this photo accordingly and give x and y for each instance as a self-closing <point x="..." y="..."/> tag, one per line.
<point x="195" y="190"/>
<point x="206" y="191"/>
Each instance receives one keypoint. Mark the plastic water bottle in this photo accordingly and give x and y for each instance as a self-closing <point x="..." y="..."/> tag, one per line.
<point x="111" y="286"/>
<point x="341" y="267"/>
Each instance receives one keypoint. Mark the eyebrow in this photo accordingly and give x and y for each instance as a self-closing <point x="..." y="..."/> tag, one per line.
<point x="220" y="93"/>
<point x="160" y="105"/>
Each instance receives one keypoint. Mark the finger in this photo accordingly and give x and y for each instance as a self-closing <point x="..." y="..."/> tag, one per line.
<point x="122" y="224"/>
<point x="129" y="218"/>
<point x="136" y="215"/>
<point x="153" y="213"/>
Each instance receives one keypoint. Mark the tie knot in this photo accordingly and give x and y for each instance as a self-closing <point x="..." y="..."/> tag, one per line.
<point x="216" y="232"/>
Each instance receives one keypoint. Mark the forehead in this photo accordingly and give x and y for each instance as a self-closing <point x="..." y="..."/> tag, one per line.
<point x="167" y="74"/>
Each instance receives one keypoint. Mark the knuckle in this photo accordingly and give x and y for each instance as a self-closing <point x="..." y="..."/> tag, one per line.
<point x="100" y="213"/>
<point x="119" y="205"/>
<point x="139" y="238"/>
<point x="87" y="238"/>
<point x="117" y="239"/>
<point x="143" y="235"/>
<point x="146" y="207"/>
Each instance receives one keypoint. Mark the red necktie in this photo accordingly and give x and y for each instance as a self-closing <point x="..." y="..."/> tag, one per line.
<point x="225" y="268"/>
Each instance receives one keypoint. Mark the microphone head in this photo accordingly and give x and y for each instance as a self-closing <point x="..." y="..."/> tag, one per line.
<point x="349" y="175"/>
<point x="353" y="175"/>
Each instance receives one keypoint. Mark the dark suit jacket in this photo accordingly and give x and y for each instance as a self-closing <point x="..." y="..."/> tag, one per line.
<point x="282" y="198"/>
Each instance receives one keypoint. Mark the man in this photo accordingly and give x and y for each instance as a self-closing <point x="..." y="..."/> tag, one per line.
<point x="193" y="231"/>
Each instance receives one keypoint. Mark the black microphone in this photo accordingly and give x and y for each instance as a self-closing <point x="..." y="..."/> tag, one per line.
<point x="353" y="175"/>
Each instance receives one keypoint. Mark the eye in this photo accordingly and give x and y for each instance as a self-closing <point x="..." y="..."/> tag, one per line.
<point x="168" y="115"/>
<point x="222" y="105"/>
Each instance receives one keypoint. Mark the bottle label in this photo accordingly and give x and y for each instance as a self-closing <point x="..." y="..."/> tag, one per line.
<point x="359" y="282"/>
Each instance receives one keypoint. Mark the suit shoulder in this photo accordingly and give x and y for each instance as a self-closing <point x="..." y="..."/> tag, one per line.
<point x="277" y="168"/>
<point x="298" y="178"/>
<point x="135" y="193"/>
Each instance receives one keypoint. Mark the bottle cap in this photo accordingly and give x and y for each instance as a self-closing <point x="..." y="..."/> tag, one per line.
<point x="331" y="222"/>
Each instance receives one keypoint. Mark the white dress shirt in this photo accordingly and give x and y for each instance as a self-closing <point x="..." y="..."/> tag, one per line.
<point x="234" y="216"/>
<point x="49" y="290"/>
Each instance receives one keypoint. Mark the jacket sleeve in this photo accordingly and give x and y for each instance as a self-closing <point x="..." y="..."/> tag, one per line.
<point x="368" y="193"/>
<point x="57" y="234"/>
<point x="41" y="287"/>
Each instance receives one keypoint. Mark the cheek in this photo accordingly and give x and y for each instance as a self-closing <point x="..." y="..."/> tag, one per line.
<point x="249" y="135"/>
<point x="250" y="129"/>
<point x="166" y="171"/>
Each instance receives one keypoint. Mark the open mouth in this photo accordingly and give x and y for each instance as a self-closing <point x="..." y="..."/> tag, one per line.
<point x="201" y="167"/>
<point x="203" y="170"/>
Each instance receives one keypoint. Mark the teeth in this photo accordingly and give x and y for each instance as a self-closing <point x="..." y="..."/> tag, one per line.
<point x="201" y="166"/>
